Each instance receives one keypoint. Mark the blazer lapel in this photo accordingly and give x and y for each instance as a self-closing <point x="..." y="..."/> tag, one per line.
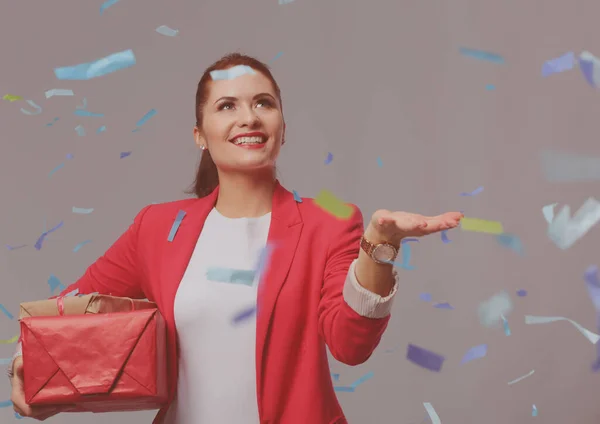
<point x="284" y="234"/>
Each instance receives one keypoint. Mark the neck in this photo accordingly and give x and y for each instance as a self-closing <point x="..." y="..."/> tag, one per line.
<point x="241" y="196"/>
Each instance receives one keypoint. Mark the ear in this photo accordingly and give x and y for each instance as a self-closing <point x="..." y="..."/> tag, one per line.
<point x="198" y="138"/>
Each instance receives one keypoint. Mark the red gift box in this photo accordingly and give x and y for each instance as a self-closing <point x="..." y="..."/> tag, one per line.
<point x="97" y="362"/>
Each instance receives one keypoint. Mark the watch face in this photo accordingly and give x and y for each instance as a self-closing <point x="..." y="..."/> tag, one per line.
<point x="384" y="253"/>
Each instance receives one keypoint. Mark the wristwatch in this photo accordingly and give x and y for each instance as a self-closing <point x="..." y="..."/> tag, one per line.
<point x="382" y="253"/>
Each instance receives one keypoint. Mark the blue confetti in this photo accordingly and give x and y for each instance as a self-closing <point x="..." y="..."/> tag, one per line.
<point x="297" y="197"/>
<point x="361" y="380"/>
<point x="335" y="377"/>
<point x="510" y="241"/>
<point x="52" y="123"/>
<point x="38" y="243"/>
<point x="101" y="129"/>
<point x="107" y="4"/>
<point x="80" y="130"/>
<point x="54" y="283"/>
<point x="506" y="327"/>
<point x="278" y="55"/>
<point x="475" y="352"/>
<point x="144" y="118"/>
<point x="379" y="162"/>
<point x="343" y="389"/>
<point x="425" y="297"/>
<point x="562" y="63"/>
<point x="481" y="55"/>
<point x="229" y="275"/>
<point x="81" y="112"/>
<point x="5" y="404"/>
<point x="97" y="68"/>
<point x="175" y="227"/>
<point x="231" y="73"/>
<point x="5" y="311"/>
<point x="124" y="154"/>
<point x="329" y="158"/>
<point x="55" y="169"/>
<point x="534" y="411"/>
<point x="490" y="87"/>
<point x="80" y="245"/>
<point x="244" y="315"/>
<point x="70" y="156"/>
<point x="473" y="193"/>
<point x="521" y="293"/>
<point x="443" y="306"/>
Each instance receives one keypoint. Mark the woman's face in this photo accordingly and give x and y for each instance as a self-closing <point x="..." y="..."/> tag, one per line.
<point x="242" y="124"/>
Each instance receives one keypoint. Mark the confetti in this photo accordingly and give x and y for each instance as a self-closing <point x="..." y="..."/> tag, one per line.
<point x="521" y="293"/>
<point x="54" y="283"/>
<point x="244" y="315"/>
<point x="5" y="312"/>
<point x="101" y="129"/>
<point x="590" y="68"/>
<point x="534" y="411"/>
<point x="84" y="104"/>
<point x="81" y="112"/>
<point x="327" y="201"/>
<point x="343" y="388"/>
<point x="335" y="377"/>
<point x="12" y="98"/>
<point x="278" y="55"/>
<point x="476" y="352"/>
<point x="444" y="235"/>
<point x="231" y="73"/>
<point x="144" y="118"/>
<point x="481" y="55"/>
<point x="490" y="87"/>
<point x="80" y="245"/>
<point x="492" y="310"/>
<point x="435" y="418"/>
<point x="83" y="210"/>
<point x="564" y="231"/>
<point x="510" y="241"/>
<point x="229" y="275"/>
<point x="59" y="92"/>
<point x="56" y="169"/>
<point x="444" y="305"/>
<point x="9" y="247"/>
<point x="593" y="285"/>
<point x="285" y="1"/>
<point x="297" y="197"/>
<point x="124" y="154"/>
<point x="37" y="108"/>
<point x="6" y="361"/>
<point x="10" y="341"/>
<point x="516" y="380"/>
<point x="560" y="167"/>
<point x="562" y="63"/>
<point x="38" y="243"/>
<point x="362" y="379"/>
<point x="424" y="358"/>
<point x="80" y="130"/>
<point x="106" y="5"/>
<point x="52" y="123"/>
<point x="425" y="297"/>
<point x="548" y="212"/>
<point x="592" y="337"/>
<point x="175" y="227"/>
<point x="379" y="162"/>
<point x="329" y="158"/>
<point x="481" y="226"/>
<point x="473" y="193"/>
<point x="406" y="254"/>
<point x="165" y="30"/>
<point x="97" y="68"/>
<point x="505" y="324"/>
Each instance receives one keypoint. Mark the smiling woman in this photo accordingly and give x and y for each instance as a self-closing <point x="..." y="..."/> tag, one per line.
<point x="220" y="105"/>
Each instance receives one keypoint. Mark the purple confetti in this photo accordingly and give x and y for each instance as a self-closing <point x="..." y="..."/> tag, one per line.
<point x="473" y="193"/>
<point x="125" y="154"/>
<point x="443" y="306"/>
<point x="38" y="243"/>
<point x="587" y="69"/>
<point x="559" y="64"/>
<point x="445" y="238"/>
<point x="425" y="297"/>
<point x="521" y="293"/>
<point x="9" y="247"/>
<point x="424" y="358"/>
<point x="244" y="315"/>
<point x="328" y="159"/>
<point x="475" y="352"/>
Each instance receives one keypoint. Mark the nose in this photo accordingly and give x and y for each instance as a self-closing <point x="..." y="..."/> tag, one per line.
<point x="248" y="117"/>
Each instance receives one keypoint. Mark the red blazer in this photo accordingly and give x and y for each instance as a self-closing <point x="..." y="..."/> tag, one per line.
<point x="301" y="307"/>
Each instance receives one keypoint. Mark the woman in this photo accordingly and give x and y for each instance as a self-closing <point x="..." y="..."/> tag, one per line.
<point x="328" y="283"/>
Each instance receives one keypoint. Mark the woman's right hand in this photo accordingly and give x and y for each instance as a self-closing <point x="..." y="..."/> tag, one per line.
<point x="17" y="397"/>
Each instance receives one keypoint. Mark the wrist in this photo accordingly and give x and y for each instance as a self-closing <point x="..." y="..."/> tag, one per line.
<point x="377" y="237"/>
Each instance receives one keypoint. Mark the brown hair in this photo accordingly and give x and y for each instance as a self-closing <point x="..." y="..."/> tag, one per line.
<point x="207" y="178"/>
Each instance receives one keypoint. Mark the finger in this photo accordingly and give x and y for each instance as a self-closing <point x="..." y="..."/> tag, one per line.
<point x="45" y="412"/>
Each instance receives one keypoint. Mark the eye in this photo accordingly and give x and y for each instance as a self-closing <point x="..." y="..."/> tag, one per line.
<point x="226" y="106"/>
<point x="265" y="103"/>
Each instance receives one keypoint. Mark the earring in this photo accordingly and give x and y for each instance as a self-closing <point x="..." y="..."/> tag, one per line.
<point x="203" y="147"/>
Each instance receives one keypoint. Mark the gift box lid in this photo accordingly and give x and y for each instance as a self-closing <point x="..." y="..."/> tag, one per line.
<point x="85" y="304"/>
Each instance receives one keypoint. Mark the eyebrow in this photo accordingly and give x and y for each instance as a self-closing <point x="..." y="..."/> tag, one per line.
<point x="229" y="98"/>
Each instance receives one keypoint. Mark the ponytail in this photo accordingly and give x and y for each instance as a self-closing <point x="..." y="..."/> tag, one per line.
<point x="207" y="178"/>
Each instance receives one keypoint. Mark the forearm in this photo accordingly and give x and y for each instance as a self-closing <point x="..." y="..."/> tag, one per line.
<point x="377" y="278"/>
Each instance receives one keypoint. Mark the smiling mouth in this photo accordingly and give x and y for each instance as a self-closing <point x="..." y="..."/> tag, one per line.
<point x="241" y="141"/>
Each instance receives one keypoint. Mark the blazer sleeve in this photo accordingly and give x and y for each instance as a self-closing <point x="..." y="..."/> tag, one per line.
<point x="351" y="337"/>
<point x="118" y="272"/>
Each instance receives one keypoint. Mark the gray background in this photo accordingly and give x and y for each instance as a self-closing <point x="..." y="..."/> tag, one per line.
<point x="360" y="79"/>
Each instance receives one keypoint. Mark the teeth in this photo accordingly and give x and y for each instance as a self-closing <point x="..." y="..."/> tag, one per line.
<point x="248" y="140"/>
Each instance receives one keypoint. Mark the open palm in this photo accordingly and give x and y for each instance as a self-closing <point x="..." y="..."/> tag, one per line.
<point x="403" y="224"/>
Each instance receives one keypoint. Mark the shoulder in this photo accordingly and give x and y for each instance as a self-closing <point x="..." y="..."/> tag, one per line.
<point x="160" y="212"/>
<point x="313" y="214"/>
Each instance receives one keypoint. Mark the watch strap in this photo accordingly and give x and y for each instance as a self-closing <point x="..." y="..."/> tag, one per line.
<point x="369" y="248"/>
